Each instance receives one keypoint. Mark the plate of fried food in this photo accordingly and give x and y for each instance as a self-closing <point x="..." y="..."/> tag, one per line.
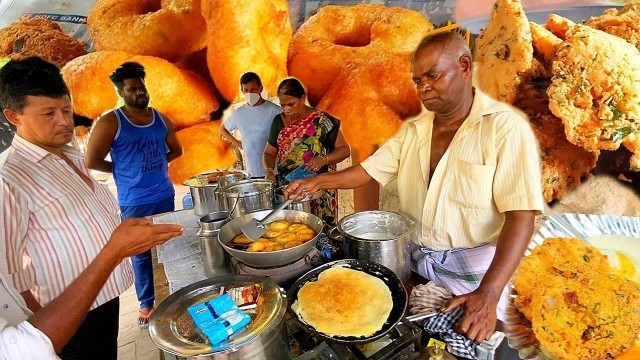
<point x="576" y="294"/>
<point x="289" y="237"/>
<point x="578" y="83"/>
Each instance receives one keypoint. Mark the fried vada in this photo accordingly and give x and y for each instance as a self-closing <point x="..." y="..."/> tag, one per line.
<point x="203" y="150"/>
<point x="166" y="29"/>
<point x="246" y="35"/>
<point x="180" y="94"/>
<point x="577" y="307"/>
<point x="39" y="37"/>
<point x="595" y="88"/>
<point x="623" y="23"/>
<point x="340" y="35"/>
<point x="563" y="164"/>
<point x="504" y="56"/>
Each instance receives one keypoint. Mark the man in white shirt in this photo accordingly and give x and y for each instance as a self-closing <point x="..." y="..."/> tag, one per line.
<point x="28" y="336"/>
<point x="468" y="174"/>
<point x="253" y="120"/>
<point x="54" y="217"/>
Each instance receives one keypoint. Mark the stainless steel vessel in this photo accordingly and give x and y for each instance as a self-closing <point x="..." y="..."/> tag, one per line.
<point x="265" y="338"/>
<point x="379" y="236"/>
<point x="248" y="196"/>
<point x="301" y="205"/>
<point x="217" y="262"/>
<point x="205" y="191"/>
<point x="273" y="258"/>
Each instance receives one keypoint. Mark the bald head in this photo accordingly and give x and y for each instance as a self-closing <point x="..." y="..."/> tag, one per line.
<point x="449" y="43"/>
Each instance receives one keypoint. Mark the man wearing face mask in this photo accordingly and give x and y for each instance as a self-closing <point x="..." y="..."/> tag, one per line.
<point x="141" y="142"/>
<point x="253" y="120"/>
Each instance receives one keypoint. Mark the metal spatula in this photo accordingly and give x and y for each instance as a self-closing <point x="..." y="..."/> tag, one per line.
<point x="254" y="229"/>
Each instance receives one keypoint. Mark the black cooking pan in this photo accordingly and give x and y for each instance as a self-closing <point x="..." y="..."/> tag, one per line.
<point x="398" y="295"/>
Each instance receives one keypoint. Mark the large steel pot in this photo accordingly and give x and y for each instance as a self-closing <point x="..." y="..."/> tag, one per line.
<point x="248" y="196"/>
<point x="265" y="338"/>
<point x="379" y="236"/>
<point x="216" y="261"/>
<point x="273" y="258"/>
<point x="300" y="205"/>
<point x="205" y="191"/>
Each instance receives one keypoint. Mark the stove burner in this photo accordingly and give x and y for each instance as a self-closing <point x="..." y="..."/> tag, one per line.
<point x="401" y="343"/>
<point x="283" y="275"/>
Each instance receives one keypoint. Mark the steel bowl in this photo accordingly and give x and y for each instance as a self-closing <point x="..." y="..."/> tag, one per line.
<point x="273" y="258"/>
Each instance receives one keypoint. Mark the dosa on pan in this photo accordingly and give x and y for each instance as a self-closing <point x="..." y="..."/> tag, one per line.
<point x="344" y="302"/>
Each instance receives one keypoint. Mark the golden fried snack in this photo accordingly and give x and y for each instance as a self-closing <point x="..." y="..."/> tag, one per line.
<point x="278" y="225"/>
<point x="623" y="23"/>
<point x="385" y="95"/>
<point x="273" y="233"/>
<point x="563" y="164"/>
<point x="167" y="29"/>
<point x="246" y="35"/>
<point x="559" y="25"/>
<point x="179" y="94"/>
<point x="504" y="51"/>
<point x="257" y="246"/>
<point x="297" y="227"/>
<point x="203" y="150"/>
<point x="241" y="239"/>
<point x="339" y="35"/>
<point x="293" y="243"/>
<point x="39" y="37"/>
<point x="305" y="235"/>
<point x="557" y="256"/>
<point x="272" y="246"/>
<point x="285" y="238"/>
<point x="578" y="308"/>
<point x="595" y="89"/>
<point x="544" y="41"/>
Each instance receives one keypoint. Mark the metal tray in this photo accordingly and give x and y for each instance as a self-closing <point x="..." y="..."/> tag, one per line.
<point x="518" y="330"/>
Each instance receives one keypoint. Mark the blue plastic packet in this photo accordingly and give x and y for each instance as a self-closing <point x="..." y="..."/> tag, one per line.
<point x="218" y="318"/>
<point x="300" y="172"/>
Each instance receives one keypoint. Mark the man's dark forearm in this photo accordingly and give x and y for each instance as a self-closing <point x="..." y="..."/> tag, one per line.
<point x="60" y="319"/>
<point x="349" y="178"/>
<point x="172" y="155"/>
<point x="103" y="165"/>
<point x="31" y="301"/>
<point x="512" y="243"/>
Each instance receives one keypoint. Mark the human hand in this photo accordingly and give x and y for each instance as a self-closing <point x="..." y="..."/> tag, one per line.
<point x="137" y="235"/>
<point x="299" y="189"/>
<point x="270" y="175"/>
<point x="315" y="163"/>
<point x="479" y="319"/>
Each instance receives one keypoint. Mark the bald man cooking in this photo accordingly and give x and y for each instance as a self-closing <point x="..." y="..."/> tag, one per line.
<point x="468" y="174"/>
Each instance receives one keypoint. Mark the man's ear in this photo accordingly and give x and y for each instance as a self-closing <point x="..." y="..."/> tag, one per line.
<point x="466" y="64"/>
<point x="12" y="117"/>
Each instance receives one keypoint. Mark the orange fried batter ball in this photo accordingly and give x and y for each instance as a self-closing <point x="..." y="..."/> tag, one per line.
<point x="371" y="99"/>
<point x="338" y="35"/>
<point x="246" y="35"/>
<point x="39" y="37"/>
<point x="203" y="150"/>
<point x="164" y="28"/>
<point x="180" y="94"/>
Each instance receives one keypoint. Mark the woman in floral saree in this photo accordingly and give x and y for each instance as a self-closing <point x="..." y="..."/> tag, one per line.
<point x="302" y="136"/>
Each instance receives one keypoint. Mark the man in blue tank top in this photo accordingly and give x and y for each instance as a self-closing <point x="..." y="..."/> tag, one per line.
<point x="141" y="142"/>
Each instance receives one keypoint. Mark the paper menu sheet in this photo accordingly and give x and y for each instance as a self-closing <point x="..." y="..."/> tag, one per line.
<point x="185" y="245"/>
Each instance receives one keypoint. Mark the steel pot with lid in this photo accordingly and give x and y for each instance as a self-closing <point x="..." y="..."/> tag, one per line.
<point x="217" y="262"/>
<point x="300" y="205"/>
<point x="205" y="190"/>
<point x="379" y="236"/>
<point x="248" y="196"/>
<point x="172" y="329"/>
